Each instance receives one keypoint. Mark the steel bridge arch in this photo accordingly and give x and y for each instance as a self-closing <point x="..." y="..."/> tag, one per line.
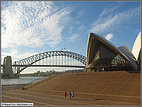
<point x="35" y="58"/>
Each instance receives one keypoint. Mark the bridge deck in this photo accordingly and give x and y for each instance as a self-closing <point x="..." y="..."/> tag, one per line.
<point x="48" y="66"/>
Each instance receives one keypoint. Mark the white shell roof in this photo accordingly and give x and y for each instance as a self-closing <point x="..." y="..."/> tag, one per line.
<point x="128" y="54"/>
<point x="121" y="51"/>
<point x="137" y="46"/>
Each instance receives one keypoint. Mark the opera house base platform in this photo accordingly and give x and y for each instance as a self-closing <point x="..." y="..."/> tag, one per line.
<point x="91" y="88"/>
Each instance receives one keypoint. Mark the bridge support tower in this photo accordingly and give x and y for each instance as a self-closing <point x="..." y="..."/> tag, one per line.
<point x="7" y="68"/>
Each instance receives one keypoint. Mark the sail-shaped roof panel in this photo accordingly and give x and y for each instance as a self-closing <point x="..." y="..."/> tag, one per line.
<point x="137" y="46"/>
<point x="124" y="52"/>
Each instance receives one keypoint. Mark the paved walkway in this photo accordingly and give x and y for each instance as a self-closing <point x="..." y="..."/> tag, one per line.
<point x="48" y="99"/>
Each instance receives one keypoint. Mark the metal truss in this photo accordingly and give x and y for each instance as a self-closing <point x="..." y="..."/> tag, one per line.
<point x="27" y="62"/>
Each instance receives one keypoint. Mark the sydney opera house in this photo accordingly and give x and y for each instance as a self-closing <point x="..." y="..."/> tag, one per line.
<point x="104" y="56"/>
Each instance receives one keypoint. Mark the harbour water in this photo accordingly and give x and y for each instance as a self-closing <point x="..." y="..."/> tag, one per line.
<point x="21" y="80"/>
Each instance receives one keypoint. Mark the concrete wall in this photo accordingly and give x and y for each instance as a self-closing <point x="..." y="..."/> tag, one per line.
<point x="7" y="66"/>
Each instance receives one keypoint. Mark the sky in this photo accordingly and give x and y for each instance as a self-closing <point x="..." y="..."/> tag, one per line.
<point x="31" y="27"/>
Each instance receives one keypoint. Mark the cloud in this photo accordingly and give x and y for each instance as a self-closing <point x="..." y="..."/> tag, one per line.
<point x="109" y="19"/>
<point x="109" y="36"/>
<point x="33" y="24"/>
<point x="16" y="55"/>
<point x="74" y="37"/>
<point x="81" y="27"/>
<point x="80" y="13"/>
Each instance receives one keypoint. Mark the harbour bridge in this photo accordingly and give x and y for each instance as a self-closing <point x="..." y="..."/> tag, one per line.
<point x="49" y="59"/>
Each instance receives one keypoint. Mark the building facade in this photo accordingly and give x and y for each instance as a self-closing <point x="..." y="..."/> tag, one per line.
<point x="104" y="56"/>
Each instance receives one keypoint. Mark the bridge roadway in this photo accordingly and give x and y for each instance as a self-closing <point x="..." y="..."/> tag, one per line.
<point x="25" y="96"/>
<point x="47" y="66"/>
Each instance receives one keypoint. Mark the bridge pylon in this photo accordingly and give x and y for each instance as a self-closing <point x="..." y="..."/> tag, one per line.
<point x="7" y="71"/>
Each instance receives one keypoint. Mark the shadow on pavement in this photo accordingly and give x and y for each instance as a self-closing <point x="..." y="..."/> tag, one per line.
<point x="82" y="99"/>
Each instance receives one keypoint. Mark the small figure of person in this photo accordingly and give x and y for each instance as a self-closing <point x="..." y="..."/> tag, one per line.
<point x="73" y="94"/>
<point x="70" y="94"/>
<point x="65" y="94"/>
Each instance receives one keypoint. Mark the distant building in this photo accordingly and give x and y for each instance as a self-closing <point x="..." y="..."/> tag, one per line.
<point x="104" y="56"/>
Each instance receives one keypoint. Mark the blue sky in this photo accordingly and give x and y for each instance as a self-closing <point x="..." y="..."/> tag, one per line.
<point x="33" y="27"/>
